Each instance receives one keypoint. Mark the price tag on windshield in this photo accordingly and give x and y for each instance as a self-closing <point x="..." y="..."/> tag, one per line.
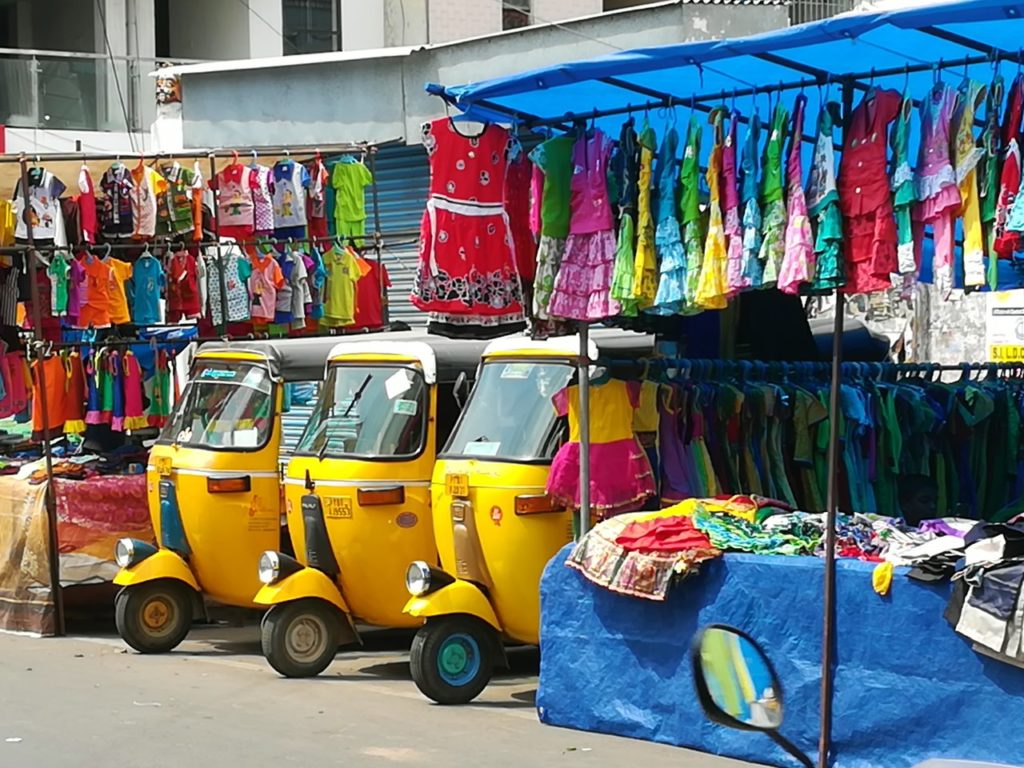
<point x="481" y="449"/>
<point x="406" y="407"/>
<point x="397" y="384"/>
<point x="518" y="371"/>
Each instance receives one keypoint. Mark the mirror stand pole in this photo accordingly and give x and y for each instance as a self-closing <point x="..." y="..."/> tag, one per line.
<point x="791" y="748"/>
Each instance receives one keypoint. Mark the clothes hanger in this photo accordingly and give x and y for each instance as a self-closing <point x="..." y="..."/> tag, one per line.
<point x="255" y="160"/>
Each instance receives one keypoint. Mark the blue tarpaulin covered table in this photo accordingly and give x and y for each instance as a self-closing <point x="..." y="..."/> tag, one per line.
<point x="906" y="688"/>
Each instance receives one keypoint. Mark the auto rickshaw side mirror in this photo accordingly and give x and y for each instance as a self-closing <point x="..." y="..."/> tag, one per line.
<point x="460" y="389"/>
<point x="737" y="686"/>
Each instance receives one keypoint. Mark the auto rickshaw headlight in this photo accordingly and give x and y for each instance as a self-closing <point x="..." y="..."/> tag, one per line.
<point x="417" y="578"/>
<point x="270" y="567"/>
<point x="128" y="552"/>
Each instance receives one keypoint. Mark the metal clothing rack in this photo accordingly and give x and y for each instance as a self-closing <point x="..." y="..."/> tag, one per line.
<point x="849" y="84"/>
<point x="368" y="149"/>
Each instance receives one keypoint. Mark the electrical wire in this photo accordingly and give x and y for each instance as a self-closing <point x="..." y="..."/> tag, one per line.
<point x="113" y="69"/>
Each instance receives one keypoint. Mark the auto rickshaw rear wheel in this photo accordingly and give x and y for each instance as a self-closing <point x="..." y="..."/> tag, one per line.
<point x="154" y="617"/>
<point x="300" y="638"/>
<point x="452" y="658"/>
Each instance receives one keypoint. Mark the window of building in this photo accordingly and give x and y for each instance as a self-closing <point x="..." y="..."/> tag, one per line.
<point x="515" y="14"/>
<point x="311" y="26"/>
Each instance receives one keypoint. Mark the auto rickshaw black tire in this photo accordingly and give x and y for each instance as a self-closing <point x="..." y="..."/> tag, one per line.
<point x="279" y="645"/>
<point x="471" y="641"/>
<point x="155" y="616"/>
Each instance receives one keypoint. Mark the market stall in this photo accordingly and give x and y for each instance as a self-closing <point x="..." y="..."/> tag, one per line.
<point x="109" y="270"/>
<point x="860" y="154"/>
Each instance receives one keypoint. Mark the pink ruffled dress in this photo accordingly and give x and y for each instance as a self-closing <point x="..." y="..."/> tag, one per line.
<point x="798" y="265"/>
<point x="620" y="472"/>
<point x="582" y="289"/>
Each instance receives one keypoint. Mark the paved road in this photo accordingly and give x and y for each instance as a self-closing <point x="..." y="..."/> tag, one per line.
<point x="88" y="701"/>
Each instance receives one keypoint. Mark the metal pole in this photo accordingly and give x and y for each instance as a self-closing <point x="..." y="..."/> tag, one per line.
<point x="40" y="372"/>
<point x="215" y="186"/>
<point x="828" y="640"/>
<point x="584" y="384"/>
<point x="378" y="245"/>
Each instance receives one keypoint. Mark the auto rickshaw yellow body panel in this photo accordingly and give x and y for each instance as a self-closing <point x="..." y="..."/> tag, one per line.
<point x="163" y="564"/>
<point x="482" y="539"/>
<point x="309" y="582"/>
<point x="455" y="598"/>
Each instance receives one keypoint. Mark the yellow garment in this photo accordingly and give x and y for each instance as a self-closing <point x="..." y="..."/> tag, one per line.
<point x="645" y="263"/>
<point x="6" y="223"/>
<point x="611" y="411"/>
<point x="743" y="507"/>
<point x="966" y="156"/>
<point x="713" y="283"/>
<point x="120" y="271"/>
<point x="881" y="578"/>
<point x="645" y="418"/>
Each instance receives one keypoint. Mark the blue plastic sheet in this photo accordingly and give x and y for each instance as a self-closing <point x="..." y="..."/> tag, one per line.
<point x="907" y="688"/>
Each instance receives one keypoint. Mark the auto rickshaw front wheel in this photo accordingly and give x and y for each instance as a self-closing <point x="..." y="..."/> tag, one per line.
<point x="155" y="616"/>
<point x="300" y="638"/>
<point x="452" y="658"/>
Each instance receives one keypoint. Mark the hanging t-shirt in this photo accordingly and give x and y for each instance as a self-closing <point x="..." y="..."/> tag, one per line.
<point x="350" y="179"/>
<point x="198" y="188"/>
<point x="117" y="186"/>
<point x="175" y="208"/>
<point x="237" y="273"/>
<point x="120" y="272"/>
<point x="554" y="158"/>
<point x="95" y="296"/>
<point x="183" y="296"/>
<point x="6" y="223"/>
<point x="59" y="273"/>
<point x="316" y="277"/>
<point x="44" y="191"/>
<point x="266" y="280"/>
<point x="235" y="185"/>
<point x="87" y="206"/>
<point x="262" y="199"/>
<point x="291" y="181"/>
<point x="149" y="187"/>
<point x="343" y="271"/>
<point x="369" y="309"/>
<point x="146" y="282"/>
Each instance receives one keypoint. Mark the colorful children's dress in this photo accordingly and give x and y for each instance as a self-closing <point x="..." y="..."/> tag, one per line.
<point x="989" y="175"/>
<point x="823" y="207"/>
<point x="467" y="278"/>
<point x="731" y="204"/>
<point x="620" y="473"/>
<point x="798" y="262"/>
<point x="625" y="252"/>
<point x="937" y="192"/>
<point x="553" y="158"/>
<point x="966" y="156"/>
<point x="583" y="286"/>
<point x="753" y="271"/>
<point x="713" y="282"/>
<point x="902" y="184"/>
<point x="645" y="265"/>
<point x="667" y="239"/>
<point x="773" y="246"/>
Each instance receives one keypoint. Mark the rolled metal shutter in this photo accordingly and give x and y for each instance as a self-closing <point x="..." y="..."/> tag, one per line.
<point x="403" y="176"/>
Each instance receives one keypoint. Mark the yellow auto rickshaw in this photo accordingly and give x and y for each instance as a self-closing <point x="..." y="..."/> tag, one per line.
<point x="214" y="485"/>
<point x="358" y="496"/>
<point x="495" y="526"/>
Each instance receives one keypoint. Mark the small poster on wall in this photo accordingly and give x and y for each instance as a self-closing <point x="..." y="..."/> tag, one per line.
<point x="1004" y="326"/>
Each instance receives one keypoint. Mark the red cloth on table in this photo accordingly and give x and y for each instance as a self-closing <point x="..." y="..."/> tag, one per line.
<point x="663" y="534"/>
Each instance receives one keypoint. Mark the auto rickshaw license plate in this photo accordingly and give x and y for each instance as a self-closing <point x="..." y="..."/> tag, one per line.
<point x="456" y="484"/>
<point x="337" y="507"/>
<point x="163" y="465"/>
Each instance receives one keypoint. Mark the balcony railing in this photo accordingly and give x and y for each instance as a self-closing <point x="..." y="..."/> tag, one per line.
<point x="56" y="90"/>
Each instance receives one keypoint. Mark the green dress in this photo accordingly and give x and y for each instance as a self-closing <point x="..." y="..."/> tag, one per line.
<point x="773" y="246"/>
<point x="689" y="209"/>
<point x="823" y="208"/>
<point x="903" y="187"/>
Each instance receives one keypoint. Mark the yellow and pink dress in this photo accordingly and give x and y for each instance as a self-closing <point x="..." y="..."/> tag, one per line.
<point x="620" y="472"/>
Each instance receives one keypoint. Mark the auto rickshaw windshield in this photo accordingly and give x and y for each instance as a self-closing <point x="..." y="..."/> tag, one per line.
<point x="510" y="415"/>
<point x="368" y="411"/>
<point x="226" y="405"/>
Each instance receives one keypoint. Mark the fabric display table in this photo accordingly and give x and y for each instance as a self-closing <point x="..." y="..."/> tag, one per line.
<point x="907" y="688"/>
<point x="92" y="515"/>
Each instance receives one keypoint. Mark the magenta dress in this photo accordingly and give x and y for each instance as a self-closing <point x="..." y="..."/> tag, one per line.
<point x="731" y="209"/>
<point x="937" y="192"/>
<point x="582" y="289"/>
<point x="798" y="265"/>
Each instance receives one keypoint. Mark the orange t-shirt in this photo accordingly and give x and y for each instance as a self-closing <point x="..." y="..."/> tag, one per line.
<point x="96" y="309"/>
<point x="55" y="393"/>
<point x="120" y="272"/>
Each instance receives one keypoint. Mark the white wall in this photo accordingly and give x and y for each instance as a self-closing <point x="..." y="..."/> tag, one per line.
<point x="457" y="19"/>
<point x="225" y="29"/>
<point x="559" y="10"/>
<point x="265" y="24"/>
<point x="362" y="25"/>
